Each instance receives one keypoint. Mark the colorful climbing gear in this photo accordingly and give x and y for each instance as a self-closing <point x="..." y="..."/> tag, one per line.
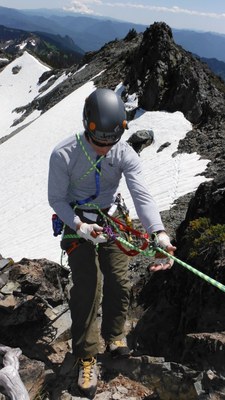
<point x="57" y="225"/>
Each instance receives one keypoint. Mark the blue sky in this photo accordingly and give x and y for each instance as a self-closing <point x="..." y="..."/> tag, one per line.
<point x="203" y="15"/>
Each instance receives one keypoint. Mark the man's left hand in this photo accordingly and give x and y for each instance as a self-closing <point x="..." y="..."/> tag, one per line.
<point x="162" y="262"/>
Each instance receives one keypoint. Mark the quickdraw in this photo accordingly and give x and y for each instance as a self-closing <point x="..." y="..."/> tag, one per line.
<point x="122" y="208"/>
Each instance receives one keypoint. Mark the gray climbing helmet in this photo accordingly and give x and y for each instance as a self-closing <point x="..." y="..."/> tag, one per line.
<point x="104" y="115"/>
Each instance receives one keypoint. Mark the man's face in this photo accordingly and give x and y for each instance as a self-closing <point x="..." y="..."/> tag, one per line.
<point x="101" y="147"/>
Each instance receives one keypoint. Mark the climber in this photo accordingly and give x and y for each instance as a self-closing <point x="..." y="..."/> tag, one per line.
<point x="86" y="169"/>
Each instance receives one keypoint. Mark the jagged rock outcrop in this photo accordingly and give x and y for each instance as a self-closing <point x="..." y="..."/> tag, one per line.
<point x="183" y="315"/>
<point x="32" y="295"/>
<point x="34" y="319"/>
<point x="166" y="77"/>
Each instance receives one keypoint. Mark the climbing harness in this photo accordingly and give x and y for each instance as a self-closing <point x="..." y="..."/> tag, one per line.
<point x="115" y="229"/>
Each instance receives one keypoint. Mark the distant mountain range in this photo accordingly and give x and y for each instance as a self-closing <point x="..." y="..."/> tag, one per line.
<point x="55" y="50"/>
<point x="204" y="44"/>
<point x="90" y="33"/>
<point x="77" y="34"/>
<point x="218" y="67"/>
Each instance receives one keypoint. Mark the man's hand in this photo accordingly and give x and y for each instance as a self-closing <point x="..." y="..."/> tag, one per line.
<point x="162" y="262"/>
<point x="91" y="232"/>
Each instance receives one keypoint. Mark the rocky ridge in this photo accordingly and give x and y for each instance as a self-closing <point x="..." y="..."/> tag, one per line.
<point x="177" y="325"/>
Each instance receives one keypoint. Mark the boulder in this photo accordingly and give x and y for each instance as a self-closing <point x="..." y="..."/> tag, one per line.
<point x="141" y="139"/>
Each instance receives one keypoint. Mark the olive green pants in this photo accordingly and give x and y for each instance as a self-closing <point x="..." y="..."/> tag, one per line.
<point x="99" y="276"/>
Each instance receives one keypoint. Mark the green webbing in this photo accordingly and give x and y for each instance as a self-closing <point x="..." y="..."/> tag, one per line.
<point x="71" y="236"/>
<point x="93" y="164"/>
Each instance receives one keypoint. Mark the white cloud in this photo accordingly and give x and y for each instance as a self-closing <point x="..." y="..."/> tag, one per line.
<point x="174" y="9"/>
<point x="83" y="6"/>
<point x="89" y="7"/>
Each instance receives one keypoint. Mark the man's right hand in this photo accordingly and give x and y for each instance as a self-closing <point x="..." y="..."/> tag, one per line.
<point x="91" y="232"/>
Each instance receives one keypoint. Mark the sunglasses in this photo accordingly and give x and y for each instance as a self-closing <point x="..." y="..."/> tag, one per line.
<point x="101" y="144"/>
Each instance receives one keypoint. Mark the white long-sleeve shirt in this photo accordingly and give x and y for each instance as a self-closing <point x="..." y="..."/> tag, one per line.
<point x="72" y="178"/>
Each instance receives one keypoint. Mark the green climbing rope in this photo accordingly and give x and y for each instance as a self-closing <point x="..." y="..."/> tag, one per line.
<point x="151" y="252"/>
<point x="195" y="271"/>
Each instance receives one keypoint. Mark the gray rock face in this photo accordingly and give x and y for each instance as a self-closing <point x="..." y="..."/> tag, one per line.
<point x="184" y="315"/>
